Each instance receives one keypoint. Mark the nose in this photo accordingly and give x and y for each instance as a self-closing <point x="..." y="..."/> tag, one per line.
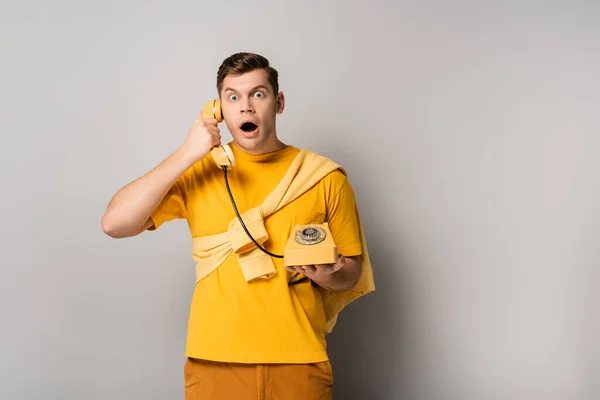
<point x="247" y="106"/>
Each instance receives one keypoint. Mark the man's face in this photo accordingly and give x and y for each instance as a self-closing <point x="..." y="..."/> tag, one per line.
<point x="249" y="110"/>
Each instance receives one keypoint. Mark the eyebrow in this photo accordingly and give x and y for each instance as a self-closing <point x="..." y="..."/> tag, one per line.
<point x="252" y="90"/>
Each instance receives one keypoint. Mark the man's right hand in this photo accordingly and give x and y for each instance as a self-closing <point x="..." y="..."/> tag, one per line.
<point x="203" y="135"/>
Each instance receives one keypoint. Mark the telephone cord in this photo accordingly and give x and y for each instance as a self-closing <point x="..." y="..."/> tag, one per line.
<point x="292" y="280"/>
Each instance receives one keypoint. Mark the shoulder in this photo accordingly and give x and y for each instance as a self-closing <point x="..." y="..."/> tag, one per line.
<point x="334" y="181"/>
<point x="313" y="156"/>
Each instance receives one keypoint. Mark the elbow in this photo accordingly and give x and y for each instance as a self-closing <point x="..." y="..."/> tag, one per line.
<point x="111" y="228"/>
<point x="115" y="229"/>
<point x="108" y="226"/>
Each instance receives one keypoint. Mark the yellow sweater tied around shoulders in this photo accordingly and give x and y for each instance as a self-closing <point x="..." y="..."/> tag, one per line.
<point x="209" y="252"/>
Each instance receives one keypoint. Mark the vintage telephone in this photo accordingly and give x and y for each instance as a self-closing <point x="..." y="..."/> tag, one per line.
<point x="308" y="245"/>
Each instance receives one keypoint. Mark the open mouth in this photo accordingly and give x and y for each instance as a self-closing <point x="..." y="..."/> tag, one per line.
<point x="248" y="127"/>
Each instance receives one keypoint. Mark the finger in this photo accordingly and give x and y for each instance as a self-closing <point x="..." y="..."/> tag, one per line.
<point x="208" y="125"/>
<point x="299" y="269"/>
<point x="206" y="121"/>
<point x="341" y="262"/>
<point x="327" y="265"/>
<point x="201" y="115"/>
<point x="213" y="130"/>
<point x="309" y="269"/>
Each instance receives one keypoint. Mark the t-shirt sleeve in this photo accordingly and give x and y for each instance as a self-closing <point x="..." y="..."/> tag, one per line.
<point x="172" y="206"/>
<point x="343" y="221"/>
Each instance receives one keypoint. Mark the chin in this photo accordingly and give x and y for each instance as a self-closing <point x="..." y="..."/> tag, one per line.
<point x="253" y="144"/>
<point x="250" y="143"/>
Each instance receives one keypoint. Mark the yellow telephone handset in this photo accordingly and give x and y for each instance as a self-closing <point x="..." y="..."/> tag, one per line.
<point x="222" y="155"/>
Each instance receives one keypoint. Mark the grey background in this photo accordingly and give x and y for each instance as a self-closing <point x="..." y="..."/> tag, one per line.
<point x="470" y="131"/>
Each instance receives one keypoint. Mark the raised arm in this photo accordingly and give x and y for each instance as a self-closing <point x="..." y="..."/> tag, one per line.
<point x="129" y="211"/>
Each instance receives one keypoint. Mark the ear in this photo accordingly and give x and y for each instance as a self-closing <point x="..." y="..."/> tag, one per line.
<point x="280" y="103"/>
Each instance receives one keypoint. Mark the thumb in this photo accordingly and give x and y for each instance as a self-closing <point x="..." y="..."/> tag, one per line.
<point x="341" y="262"/>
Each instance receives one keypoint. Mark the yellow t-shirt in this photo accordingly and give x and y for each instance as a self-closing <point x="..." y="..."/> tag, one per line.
<point x="262" y="321"/>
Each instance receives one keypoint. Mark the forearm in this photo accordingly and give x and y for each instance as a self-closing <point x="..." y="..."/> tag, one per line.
<point x="131" y="207"/>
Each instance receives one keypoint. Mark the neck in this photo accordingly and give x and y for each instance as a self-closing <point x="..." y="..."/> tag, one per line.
<point x="269" y="147"/>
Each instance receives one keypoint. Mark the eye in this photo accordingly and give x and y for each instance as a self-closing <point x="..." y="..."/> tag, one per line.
<point x="233" y="97"/>
<point x="258" y="94"/>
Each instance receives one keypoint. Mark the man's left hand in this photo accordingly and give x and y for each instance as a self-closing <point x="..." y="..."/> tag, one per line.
<point x="342" y="275"/>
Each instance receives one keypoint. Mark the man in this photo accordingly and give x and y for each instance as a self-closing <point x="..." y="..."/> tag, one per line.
<point x="251" y="338"/>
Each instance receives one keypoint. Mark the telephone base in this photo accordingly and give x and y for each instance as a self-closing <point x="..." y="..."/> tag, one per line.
<point x="309" y="245"/>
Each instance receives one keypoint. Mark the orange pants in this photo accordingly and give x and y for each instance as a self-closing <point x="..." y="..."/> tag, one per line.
<point x="209" y="380"/>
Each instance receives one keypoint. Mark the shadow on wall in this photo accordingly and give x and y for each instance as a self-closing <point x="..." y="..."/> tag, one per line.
<point x="370" y="346"/>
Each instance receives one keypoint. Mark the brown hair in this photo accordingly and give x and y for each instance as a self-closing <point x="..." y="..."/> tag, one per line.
<point x="241" y="63"/>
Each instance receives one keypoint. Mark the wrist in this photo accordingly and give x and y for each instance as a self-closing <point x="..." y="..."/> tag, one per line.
<point x="188" y="157"/>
